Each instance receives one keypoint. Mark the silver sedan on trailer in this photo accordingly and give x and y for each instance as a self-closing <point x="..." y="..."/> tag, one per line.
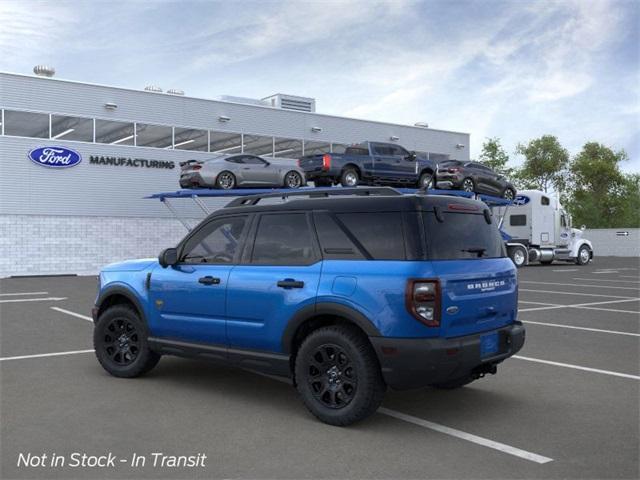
<point x="241" y="170"/>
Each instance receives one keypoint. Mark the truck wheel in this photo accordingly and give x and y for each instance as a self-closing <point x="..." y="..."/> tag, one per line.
<point x="468" y="185"/>
<point x="120" y="342"/>
<point x="453" y="384"/>
<point x="584" y="255"/>
<point x="518" y="256"/>
<point x="338" y="376"/>
<point x="226" y="180"/>
<point x="349" y="178"/>
<point x="425" y="181"/>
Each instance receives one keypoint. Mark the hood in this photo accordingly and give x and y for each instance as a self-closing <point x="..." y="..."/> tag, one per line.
<point x="576" y="233"/>
<point x="130" y="265"/>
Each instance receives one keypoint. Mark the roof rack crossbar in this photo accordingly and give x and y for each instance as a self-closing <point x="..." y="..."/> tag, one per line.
<point x="325" y="193"/>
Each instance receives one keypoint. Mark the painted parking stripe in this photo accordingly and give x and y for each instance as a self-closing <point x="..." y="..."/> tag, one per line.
<point x="582" y="285"/>
<point x="597" y="330"/>
<point x="47" y="299"/>
<point x="633" y="312"/>
<point x="628" y="276"/>
<point x="73" y="314"/>
<point x="23" y="293"/>
<point x="567" y="270"/>
<point x="581" y="305"/>
<point x="578" y="367"/>
<point x="574" y="293"/>
<point x="42" y="355"/>
<point x="485" y="442"/>
<point x="541" y="303"/>
<point x="605" y="280"/>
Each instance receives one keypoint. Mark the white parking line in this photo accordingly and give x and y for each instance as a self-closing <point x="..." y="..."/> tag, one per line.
<point x="578" y="367"/>
<point x="40" y="355"/>
<point x="605" y="280"/>
<point x="574" y="293"/>
<point x="598" y="330"/>
<point x="628" y="276"/>
<point x="605" y="272"/>
<point x="588" y="306"/>
<point x="48" y="299"/>
<point x="23" y="293"/>
<point x="567" y="270"/>
<point x="541" y="303"/>
<point x="73" y="314"/>
<point x="582" y="285"/>
<point x="485" y="442"/>
<point x="633" y="312"/>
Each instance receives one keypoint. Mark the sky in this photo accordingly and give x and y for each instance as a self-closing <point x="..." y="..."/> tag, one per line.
<point x="514" y="70"/>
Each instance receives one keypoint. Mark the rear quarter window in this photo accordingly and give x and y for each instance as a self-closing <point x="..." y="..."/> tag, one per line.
<point x="380" y="235"/>
<point x="462" y="236"/>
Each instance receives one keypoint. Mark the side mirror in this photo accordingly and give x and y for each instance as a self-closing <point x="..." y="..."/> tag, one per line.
<point x="168" y="257"/>
<point x="266" y="164"/>
<point x="412" y="156"/>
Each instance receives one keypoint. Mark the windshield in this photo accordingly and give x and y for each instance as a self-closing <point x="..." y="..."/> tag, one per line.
<point x="462" y="236"/>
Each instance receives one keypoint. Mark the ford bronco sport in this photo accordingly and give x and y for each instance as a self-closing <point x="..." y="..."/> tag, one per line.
<point x="346" y="292"/>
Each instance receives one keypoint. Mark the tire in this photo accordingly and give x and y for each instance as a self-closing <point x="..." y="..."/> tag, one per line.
<point x="508" y="194"/>
<point x="123" y="357"/>
<point x="323" y="182"/>
<point x="468" y="185"/>
<point x="518" y="256"/>
<point x="292" y="180"/>
<point x="349" y="177"/>
<point x="351" y="388"/>
<point x="453" y="384"/>
<point x="426" y="181"/>
<point x="225" y="180"/>
<point x="584" y="255"/>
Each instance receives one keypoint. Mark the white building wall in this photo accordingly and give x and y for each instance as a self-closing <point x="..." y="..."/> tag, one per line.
<point x="612" y="242"/>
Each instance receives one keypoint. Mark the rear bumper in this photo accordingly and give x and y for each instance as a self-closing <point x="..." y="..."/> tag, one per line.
<point x="418" y="362"/>
<point x="190" y="180"/>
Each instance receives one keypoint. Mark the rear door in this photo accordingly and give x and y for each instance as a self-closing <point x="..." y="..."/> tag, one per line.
<point x="383" y="159"/>
<point x="279" y="275"/>
<point x="478" y="282"/>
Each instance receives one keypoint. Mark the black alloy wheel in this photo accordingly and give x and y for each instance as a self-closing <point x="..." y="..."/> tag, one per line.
<point x="121" y="341"/>
<point x="332" y="376"/>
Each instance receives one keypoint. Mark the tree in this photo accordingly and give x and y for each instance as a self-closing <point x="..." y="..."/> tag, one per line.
<point x="494" y="156"/>
<point x="545" y="163"/>
<point x="600" y="195"/>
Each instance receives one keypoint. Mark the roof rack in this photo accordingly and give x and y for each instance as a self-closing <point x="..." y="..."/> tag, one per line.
<point x="314" y="193"/>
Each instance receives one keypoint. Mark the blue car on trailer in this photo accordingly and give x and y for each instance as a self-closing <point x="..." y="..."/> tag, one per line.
<point x="347" y="291"/>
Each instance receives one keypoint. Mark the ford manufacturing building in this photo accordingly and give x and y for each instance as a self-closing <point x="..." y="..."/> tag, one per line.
<point x="129" y="144"/>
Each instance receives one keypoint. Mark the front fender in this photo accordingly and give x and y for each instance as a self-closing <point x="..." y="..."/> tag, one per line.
<point x="128" y="291"/>
<point x="576" y="246"/>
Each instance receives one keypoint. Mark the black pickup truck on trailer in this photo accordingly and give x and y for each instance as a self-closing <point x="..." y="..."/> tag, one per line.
<point x="369" y="163"/>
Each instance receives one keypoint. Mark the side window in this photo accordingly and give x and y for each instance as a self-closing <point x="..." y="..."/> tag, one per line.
<point x="217" y="242"/>
<point x="235" y="159"/>
<point x="544" y="201"/>
<point x="399" y="151"/>
<point x="251" y="160"/>
<point x="382" y="150"/>
<point x="380" y="234"/>
<point x="283" y="239"/>
<point x="563" y="220"/>
<point x="334" y="242"/>
<point x="518" y="220"/>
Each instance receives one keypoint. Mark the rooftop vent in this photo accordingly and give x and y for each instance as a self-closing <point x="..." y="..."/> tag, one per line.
<point x="291" y="102"/>
<point x="421" y="124"/>
<point x="153" y="88"/>
<point x="175" y="91"/>
<point x="44" y="71"/>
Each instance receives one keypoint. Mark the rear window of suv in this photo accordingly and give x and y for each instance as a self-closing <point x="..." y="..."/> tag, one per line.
<point x="462" y="236"/>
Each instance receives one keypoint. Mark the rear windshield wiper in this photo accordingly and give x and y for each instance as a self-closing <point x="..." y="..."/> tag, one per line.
<point x="480" y="251"/>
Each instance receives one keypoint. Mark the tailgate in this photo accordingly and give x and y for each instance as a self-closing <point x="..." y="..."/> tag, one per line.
<point x="479" y="299"/>
<point x="311" y="163"/>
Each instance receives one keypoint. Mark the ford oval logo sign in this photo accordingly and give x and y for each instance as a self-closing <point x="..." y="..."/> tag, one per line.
<point x="521" y="200"/>
<point x="55" y="157"/>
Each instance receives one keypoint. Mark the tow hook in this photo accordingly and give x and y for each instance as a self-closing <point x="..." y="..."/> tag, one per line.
<point x="483" y="370"/>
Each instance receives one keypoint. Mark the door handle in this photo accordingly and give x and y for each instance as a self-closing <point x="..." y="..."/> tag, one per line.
<point x="208" y="280"/>
<point x="290" y="283"/>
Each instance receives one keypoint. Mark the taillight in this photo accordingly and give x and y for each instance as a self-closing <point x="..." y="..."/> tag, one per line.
<point x="299" y="162"/>
<point x="423" y="301"/>
<point x="326" y="161"/>
<point x="196" y="167"/>
<point x="453" y="170"/>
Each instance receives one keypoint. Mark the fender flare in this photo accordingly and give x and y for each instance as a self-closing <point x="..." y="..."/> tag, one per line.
<point x="580" y="243"/>
<point x="125" y="292"/>
<point x="326" y="308"/>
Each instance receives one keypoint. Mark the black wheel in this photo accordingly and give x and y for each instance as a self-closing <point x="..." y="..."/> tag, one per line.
<point x="293" y="179"/>
<point x="425" y="181"/>
<point x="584" y="255"/>
<point x="468" y="185"/>
<point x="518" y="256"/>
<point x="120" y="342"/>
<point x="226" y="180"/>
<point x="338" y="375"/>
<point x="349" y="178"/>
<point x="453" y="384"/>
<point x="322" y="182"/>
<point x="508" y="194"/>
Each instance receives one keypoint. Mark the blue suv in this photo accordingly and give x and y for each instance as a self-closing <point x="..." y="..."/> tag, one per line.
<point x="347" y="292"/>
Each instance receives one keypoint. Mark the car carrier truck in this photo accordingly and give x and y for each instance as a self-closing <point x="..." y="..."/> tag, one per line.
<point x="538" y="229"/>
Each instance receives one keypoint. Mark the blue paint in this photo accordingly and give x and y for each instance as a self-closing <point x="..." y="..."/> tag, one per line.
<point x="55" y="157"/>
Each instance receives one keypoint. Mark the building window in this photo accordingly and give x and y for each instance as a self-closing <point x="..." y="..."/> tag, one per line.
<point x="71" y="128"/>
<point x="26" y="124"/>
<point x="225" y="142"/>
<point x="287" y="148"/>
<point x="114" y="133"/>
<point x="157" y="136"/>
<point x="315" y="148"/>
<point x="190" y="139"/>
<point x="258" y="145"/>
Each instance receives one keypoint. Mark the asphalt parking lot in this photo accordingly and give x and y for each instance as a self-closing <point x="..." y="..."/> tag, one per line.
<point x="566" y="407"/>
